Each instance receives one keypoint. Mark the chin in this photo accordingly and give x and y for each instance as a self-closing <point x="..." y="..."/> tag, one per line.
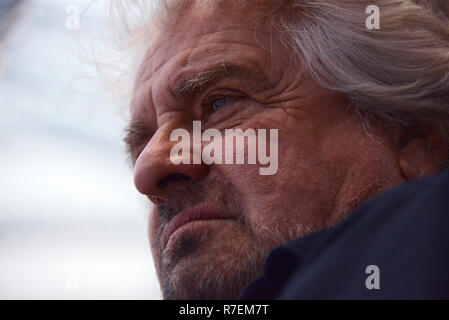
<point x="208" y="269"/>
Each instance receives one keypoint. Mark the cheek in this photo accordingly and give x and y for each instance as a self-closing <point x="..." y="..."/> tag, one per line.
<point x="298" y="189"/>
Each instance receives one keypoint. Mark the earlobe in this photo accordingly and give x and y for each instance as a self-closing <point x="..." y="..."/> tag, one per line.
<point x="421" y="155"/>
<point x="408" y="170"/>
<point x="407" y="147"/>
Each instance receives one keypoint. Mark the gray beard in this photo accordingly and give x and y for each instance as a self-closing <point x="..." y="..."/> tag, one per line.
<point x="226" y="275"/>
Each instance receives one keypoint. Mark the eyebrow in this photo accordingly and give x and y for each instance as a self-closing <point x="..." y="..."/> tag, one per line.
<point x="198" y="81"/>
<point x="136" y="134"/>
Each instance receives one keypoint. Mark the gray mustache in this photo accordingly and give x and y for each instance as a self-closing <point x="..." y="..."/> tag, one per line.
<point x="218" y="191"/>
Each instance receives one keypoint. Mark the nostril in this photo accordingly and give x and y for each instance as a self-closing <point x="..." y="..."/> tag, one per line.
<point x="175" y="177"/>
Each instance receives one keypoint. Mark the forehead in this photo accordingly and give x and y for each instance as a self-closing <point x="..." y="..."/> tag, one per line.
<point x="197" y="20"/>
<point x="201" y="36"/>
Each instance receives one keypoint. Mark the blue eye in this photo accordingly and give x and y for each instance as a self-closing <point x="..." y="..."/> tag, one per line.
<point x="217" y="104"/>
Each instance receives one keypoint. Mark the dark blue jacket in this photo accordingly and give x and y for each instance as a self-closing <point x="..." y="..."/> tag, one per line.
<point x="404" y="232"/>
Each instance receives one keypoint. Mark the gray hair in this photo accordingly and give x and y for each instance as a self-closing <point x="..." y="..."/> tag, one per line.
<point x="398" y="73"/>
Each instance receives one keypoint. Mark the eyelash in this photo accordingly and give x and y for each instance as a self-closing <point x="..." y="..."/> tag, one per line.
<point x="211" y="105"/>
<point x="208" y="105"/>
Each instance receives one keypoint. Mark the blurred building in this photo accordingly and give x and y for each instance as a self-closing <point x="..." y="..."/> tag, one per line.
<point x="72" y="225"/>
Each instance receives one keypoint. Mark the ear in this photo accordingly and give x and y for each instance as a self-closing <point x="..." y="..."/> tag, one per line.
<point x="420" y="152"/>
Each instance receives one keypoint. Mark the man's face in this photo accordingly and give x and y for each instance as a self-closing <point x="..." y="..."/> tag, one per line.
<point x="328" y="164"/>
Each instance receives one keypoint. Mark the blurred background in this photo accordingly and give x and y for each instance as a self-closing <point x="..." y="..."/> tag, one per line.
<point x="72" y="225"/>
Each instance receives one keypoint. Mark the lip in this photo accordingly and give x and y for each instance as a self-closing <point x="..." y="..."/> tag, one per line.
<point x="198" y="213"/>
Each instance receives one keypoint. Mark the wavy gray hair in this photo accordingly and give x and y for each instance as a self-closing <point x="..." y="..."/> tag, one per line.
<point x="398" y="73"/>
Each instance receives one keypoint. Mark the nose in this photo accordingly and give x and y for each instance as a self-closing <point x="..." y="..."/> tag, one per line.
<point x="155" y="175"/>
